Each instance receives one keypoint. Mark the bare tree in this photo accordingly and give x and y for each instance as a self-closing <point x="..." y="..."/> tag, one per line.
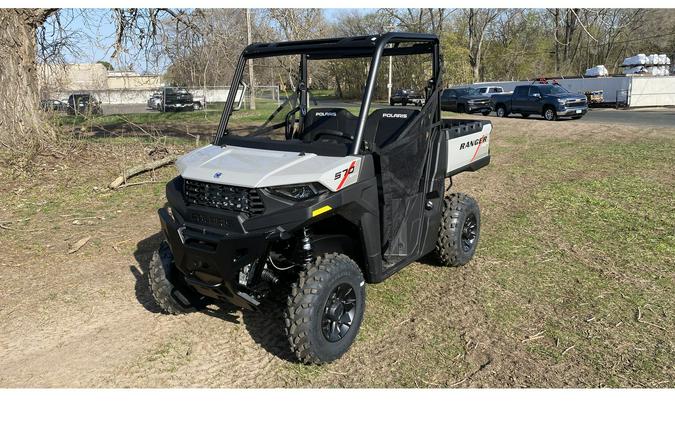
<point x="26" y="129"/>
<point x="20" y="123"/>
<point x="478" y="22"/>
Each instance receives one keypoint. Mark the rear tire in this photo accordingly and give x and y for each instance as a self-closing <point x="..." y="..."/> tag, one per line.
<point x="325" y="309"/>
<point x="392" y="103"/>
<point x="501" y="111"/>
<point x="460" y="230"/>
<point x="165" y="281"/>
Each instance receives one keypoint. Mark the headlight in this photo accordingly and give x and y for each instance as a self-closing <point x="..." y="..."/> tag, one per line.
<point x="298" y="192"/>
<point x="471" y="101"/>
<point x="562" y="101"/>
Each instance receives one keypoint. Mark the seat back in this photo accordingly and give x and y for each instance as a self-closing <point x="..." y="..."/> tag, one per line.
<point x="320" y="120"/>
<point x="383" y="126"/>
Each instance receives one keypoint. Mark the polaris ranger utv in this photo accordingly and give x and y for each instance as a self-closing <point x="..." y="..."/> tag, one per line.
<point x="319" y="200"/>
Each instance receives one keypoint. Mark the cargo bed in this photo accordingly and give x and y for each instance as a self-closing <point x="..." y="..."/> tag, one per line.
<point x="468" y="143"/>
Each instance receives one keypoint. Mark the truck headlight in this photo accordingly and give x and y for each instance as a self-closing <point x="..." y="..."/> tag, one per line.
<point x="562" y="102"/>
<point x="298" y="192"/>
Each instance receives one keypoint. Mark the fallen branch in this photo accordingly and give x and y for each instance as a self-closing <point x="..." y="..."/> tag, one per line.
<point x="537" y="336"/>
<point x="140" y="183"/>
<point x="141" y="168"/>
<point x="78" y="245"/>
<point x="639" y="319"/>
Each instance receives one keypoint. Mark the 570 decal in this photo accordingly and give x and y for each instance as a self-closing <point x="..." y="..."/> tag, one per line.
<point x="344" y="174"/>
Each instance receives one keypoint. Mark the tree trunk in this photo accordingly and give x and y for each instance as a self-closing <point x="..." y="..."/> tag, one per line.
<point x="24" y="128"/>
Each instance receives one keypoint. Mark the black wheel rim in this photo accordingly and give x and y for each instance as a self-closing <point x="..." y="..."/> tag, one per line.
<point x="339" y="312"/>
<point x="469" y="233"/>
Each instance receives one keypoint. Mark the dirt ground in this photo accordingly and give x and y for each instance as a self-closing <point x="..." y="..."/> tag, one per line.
<point x="572" y="284"/>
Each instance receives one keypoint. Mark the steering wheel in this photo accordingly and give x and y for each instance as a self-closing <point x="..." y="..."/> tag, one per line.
<point x="288" y="122"/>
<point x="331" y="132"/>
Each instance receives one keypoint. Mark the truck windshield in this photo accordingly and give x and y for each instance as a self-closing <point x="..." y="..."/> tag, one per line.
<point x="552" y="90"/>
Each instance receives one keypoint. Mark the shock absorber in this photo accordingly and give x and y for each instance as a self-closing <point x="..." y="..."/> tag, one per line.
<point x="307" y="255"/>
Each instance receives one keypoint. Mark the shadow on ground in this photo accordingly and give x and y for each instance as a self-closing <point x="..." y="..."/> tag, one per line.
<point x="265" y="326"/>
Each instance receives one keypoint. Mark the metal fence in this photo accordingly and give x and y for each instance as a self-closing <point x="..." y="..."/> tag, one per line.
<point x="208" y="94"/>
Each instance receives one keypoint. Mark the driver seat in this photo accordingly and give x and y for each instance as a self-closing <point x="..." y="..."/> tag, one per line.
<point x="324" y="120"/>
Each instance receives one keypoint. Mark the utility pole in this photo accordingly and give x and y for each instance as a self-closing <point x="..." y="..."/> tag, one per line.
<point x="390" y="27"/>
<point x="251" y="79"/>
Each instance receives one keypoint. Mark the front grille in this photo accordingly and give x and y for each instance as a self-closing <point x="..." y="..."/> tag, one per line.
<point x="231" y="198"/>
<point x="576" y="103"/>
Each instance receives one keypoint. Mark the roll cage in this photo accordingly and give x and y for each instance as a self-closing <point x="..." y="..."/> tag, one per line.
<point x="374" y="46"/>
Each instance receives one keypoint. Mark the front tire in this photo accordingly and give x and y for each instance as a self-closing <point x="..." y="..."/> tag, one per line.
<point x="166" y="284"/>
<point x="460" y="230"/>
<point x="550" y="114"/>
<point x="325" y="309"/>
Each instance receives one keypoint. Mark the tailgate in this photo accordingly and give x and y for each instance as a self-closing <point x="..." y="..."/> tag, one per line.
<point x="468" y="143"/>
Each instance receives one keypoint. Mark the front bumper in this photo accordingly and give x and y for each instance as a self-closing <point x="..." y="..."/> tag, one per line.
<point x="473" y="108"/>
<point x="572" y="111"/>
<point x="211" y="260"/>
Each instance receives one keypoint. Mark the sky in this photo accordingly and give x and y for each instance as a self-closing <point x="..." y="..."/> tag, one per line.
<point x="94" y="31"/>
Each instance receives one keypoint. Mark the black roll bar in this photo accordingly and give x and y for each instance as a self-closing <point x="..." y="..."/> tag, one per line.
<point x="364" y="46"/>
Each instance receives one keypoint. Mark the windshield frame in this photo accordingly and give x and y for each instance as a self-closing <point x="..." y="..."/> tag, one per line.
<point x="375" y="47"/>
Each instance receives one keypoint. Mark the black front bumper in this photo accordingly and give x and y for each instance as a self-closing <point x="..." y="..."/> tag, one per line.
<point x="212" y="261"/>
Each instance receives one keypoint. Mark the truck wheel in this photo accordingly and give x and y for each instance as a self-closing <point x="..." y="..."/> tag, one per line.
<point x="325" y="309"/>
<point x="501" y="111"/>
<point x="404" y="102"/>
<point x="165" y="281"/>
<point x="392" y="103"/>
<point x="459" y="231"/>
<point x="550" y="114"/>
<point x="461" y="109"/>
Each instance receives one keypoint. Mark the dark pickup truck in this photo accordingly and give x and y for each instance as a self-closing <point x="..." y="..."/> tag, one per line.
<point x="406" y="96"/>
<point x="175" y="98"/>
<point x="464" y="100"/>
<point x="549" y="100"/>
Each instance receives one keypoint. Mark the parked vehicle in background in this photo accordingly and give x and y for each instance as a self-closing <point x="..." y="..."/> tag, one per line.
<point x="489" y="91"/>
<point x="549" y="100"/>
<point x="84" y="104"/>
<point x="595" y="97"/>
<point x="53" y="105"/>
<point x="155" y="101"/>
<point x="178" y="98"/>
<point x="464" y="100"/>
<point x="405" y="97"/>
